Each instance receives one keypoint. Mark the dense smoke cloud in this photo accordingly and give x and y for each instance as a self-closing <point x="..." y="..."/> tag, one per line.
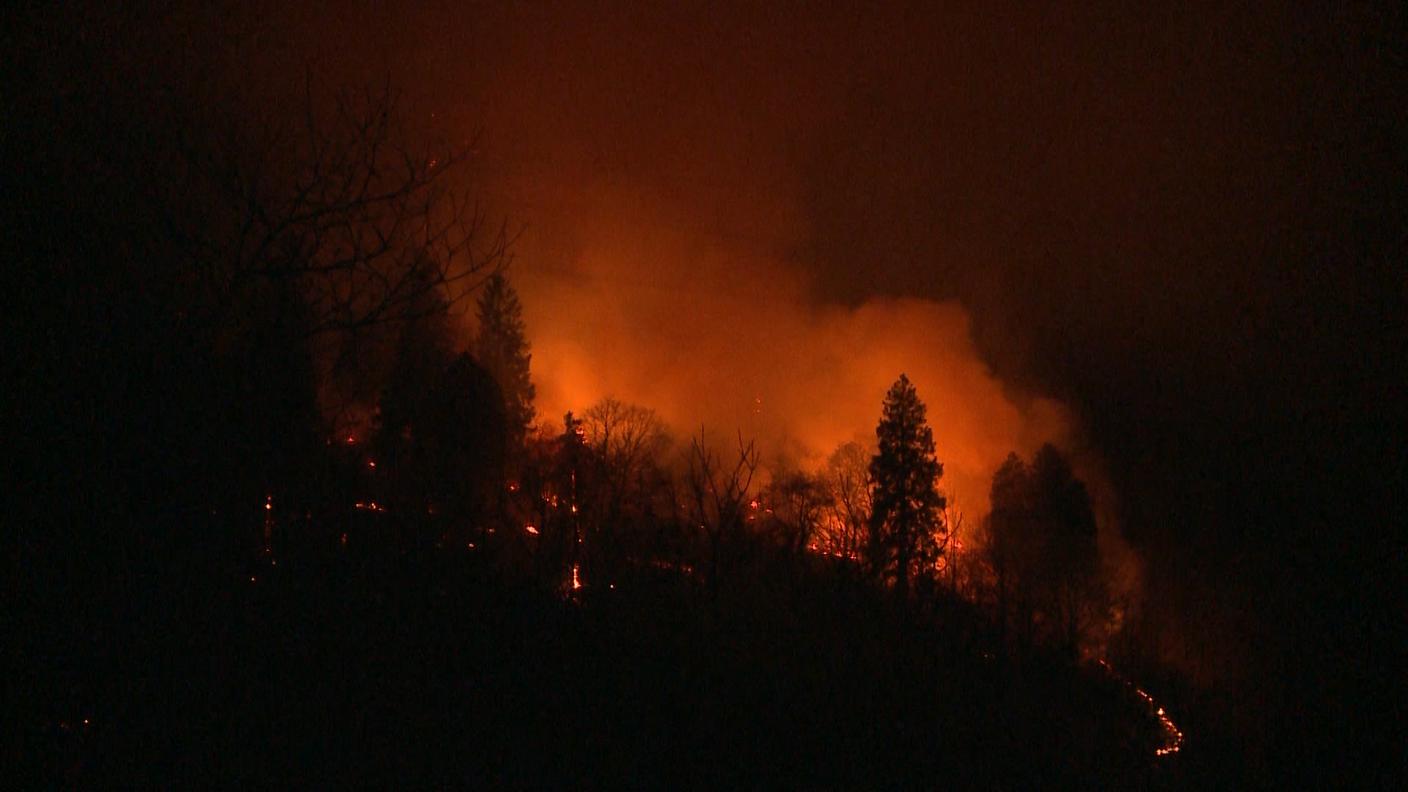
<point x="708" y="330"/>
<point x="715" y="331"/>
<point x="675" y="175"/>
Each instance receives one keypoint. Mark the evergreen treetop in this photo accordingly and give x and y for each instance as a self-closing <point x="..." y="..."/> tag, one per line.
<point x="503" y="349"/>
<point x="905" y="524"/>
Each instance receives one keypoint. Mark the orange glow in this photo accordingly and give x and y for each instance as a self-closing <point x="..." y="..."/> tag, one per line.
<point x="576" y="581"/>
<point x="820" y="370"/>
<point x="713" y="344"/>
<point x="532" y="529"/>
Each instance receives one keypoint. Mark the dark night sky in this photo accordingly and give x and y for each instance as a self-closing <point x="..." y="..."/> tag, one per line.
<point x="1188" y="225"/>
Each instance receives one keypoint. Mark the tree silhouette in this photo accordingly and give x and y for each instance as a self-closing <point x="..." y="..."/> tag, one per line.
<point x="906" y="504"/>
<point x="573" y="498"/>
<point x="847" y="479"/>
<point x="798" y="500"/>
<point x="502" y="348"/>
<point x="1012" y="546"/>
<point x="717" y="496"/>
<point x="440" y="435"/>
<point x="1073" y="587"/>
<point x="1043" y="551"/>
<point x="627" y="441"/>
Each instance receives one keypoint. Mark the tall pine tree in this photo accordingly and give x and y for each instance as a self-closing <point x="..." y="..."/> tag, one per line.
<point x="905" y="524"/>
<point x="502" y="349"/>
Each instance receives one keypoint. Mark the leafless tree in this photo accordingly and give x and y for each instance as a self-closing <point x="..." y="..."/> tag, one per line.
<point x="627" y="438"/>
<point x="365" y="222"/>
<point x="719" y="494"/>
<point x="849" y="509"/>
<point x="955" y="554"/>
<point x="626" y="443"/>
<point x="332" y="206"/>
<point x="799" y="502"/>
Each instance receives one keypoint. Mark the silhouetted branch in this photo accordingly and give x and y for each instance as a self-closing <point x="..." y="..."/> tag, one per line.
<point x="340" y="206"/>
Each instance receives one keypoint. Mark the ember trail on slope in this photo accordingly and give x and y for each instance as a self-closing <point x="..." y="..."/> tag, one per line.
<point x="1173" y="738"/>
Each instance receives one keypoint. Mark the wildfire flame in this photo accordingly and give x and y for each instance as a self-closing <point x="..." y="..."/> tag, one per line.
<point x="1173" y="738"/>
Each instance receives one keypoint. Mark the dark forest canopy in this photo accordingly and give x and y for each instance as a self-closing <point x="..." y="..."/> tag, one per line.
<point x="1185" y="225"/>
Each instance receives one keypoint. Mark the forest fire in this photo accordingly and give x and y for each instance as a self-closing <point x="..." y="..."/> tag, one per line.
<point x="704" y="394"/>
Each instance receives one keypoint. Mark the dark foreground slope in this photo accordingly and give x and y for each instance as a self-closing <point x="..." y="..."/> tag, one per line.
<point x="435" y="668"/>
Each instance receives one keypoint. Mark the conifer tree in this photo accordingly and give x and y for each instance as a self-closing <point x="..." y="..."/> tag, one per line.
<point x="1044" y="551"/>
<point x="502" y="348"/>
<point x="905" y="523"/>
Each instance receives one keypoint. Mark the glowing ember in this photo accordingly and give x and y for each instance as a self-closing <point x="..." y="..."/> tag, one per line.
<point x="576" y="581"/>
<point x="1173" y="738"/>
<point x="532" y="529"/>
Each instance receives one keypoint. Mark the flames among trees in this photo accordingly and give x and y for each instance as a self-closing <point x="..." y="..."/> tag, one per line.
<point x="280" y="483"/>
<point x="320" y="405"/>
